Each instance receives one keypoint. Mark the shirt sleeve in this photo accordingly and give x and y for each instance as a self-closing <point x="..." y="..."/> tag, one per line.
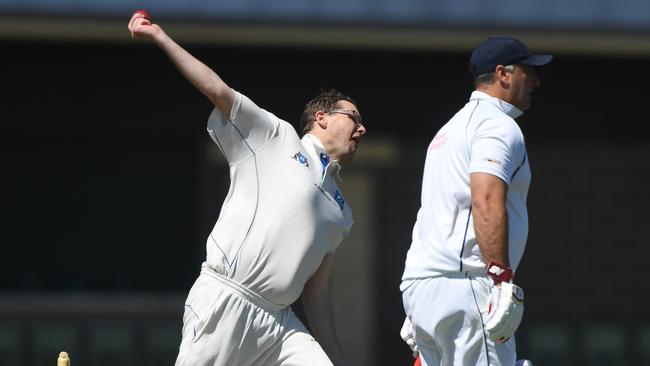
<point x="344" y="233"/>
<point x="244" y="132"/>
<point x="497" y="148"/>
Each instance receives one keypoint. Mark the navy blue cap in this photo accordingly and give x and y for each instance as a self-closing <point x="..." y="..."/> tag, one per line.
<point x="503" y="51"/>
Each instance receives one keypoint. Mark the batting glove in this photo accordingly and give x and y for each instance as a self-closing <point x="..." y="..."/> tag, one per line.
<point x="506" y="306"/>
<point x="408" y="335"/>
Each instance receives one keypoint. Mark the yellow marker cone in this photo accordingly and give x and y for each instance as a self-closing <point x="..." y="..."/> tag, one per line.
<point x="63" y="360"/>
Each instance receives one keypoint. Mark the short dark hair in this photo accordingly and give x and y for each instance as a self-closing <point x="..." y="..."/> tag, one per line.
<point x="325" y="101"/>
<point x="488" y="77"/>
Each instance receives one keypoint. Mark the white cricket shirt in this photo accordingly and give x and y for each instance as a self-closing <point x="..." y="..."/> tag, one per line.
<point x="284" y="210"/>
<point x="481" y="137"/>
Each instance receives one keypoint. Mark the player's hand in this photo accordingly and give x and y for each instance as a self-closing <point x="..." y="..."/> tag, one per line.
<point x="408" y="335"/>
<point x="141" y="26"/>
<point x="505" y="311"/>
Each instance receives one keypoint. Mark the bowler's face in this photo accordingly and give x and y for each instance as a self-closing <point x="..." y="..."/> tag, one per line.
<point x="523" y="81"/>
<point x="345" y="130"/>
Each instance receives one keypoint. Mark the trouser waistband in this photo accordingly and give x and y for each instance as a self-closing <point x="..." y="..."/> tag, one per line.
<point x="242" y="291"/>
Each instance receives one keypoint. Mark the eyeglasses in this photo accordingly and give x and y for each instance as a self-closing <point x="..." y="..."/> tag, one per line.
<point x="354" y="115"/>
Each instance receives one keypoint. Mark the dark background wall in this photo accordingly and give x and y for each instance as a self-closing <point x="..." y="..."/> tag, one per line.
<point x="100" y="168"/>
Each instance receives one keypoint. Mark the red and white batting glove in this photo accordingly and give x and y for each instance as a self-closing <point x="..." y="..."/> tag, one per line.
<point x="408" y="335"/>
<point x="506" y="304"/>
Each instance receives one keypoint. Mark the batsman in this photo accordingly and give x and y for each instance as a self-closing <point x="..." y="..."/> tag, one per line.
<point x="278" y="229"/>
<point x="461" y="304"/>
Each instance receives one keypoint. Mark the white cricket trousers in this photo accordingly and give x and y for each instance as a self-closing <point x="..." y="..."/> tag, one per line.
<point x="447" y="315"/>
<point x="226" y="324"/>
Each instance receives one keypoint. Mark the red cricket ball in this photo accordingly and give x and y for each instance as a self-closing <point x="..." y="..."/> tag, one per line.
<point x="144" y="13"/>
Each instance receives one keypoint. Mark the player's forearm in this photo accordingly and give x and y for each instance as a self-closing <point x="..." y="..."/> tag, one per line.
<point x="318" y="311"/>
<point x="491" y="228"/>
<point x="199" y="74"/>
<point x="490" y="216"/>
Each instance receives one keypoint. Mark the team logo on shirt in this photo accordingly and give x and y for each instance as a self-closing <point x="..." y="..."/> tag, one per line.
<point x="337" y="196"/>
<point x="438" y="140"/>
<point x="299" y="157"/>
<point x="493" y="161"/>
<point x="339" y="199"/>
<point x="324" y="159"/>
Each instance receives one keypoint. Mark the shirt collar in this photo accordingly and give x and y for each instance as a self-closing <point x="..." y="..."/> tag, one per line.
<point x="317" y="152"/>
<point x="507" y="108"/>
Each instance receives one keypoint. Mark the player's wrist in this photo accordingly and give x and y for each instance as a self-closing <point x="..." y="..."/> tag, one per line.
<point x="499" y="272"/>
<point x="160" y="37"/>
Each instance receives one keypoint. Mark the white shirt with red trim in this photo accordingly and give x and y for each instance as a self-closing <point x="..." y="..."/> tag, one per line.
<point x="482" y="137"/>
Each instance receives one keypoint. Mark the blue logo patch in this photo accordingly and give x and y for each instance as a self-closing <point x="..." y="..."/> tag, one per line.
<point x="324" y="159"/>
<point x="339" y="199"/>
<point x="299" y="157"/>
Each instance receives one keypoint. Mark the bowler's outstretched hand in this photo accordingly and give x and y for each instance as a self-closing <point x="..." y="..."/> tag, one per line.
<point x="141" y="26"/>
